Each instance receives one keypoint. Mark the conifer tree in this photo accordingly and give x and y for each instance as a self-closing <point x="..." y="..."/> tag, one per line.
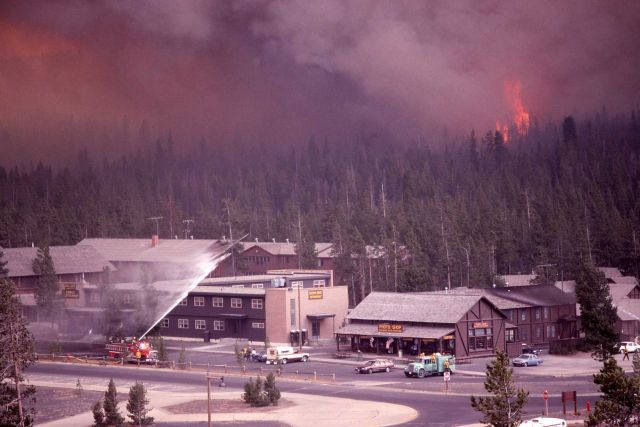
<point x="16" y="354"/>
<point x="271" y="390"/>
<point x="137" y="405"/>
<point x="505" y="406"/>
<point x="619" y="404"/>
<point x="47" y="293"/>
<point x="112" y="414"/>
<point x="597" y="311"/>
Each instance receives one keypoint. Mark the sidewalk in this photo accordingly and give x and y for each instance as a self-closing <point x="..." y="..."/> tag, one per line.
<point x="324" y="411"/>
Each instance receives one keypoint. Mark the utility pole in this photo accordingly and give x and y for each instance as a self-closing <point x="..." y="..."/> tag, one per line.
<point x="157" y="220"/>
<point x="233" y="259"/>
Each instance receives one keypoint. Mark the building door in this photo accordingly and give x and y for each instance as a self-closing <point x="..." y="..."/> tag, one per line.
<point x="315" y="328"/>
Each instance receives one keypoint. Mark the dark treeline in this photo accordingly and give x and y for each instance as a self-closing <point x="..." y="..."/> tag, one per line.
<point x="454" y="216"/>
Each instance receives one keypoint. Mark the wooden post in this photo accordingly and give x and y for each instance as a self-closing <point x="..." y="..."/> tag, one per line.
<point x="208" y="401"/>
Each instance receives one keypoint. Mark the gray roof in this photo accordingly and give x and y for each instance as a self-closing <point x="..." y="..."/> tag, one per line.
<point x="414" y="307"/>
<point x="620" y="291"/>
<point x="567" y="286"/>
<point x="262" y="278"/>
<point x="628" y="309"/>
<point x="66" y="260"/>
<point x="176" y="251"/>
<point x="624" y="280"/>
<point x="535" y="295"/>
<point x="610" y="272"/>
<point x="518" y="279"/>
<point x="407" y="332"/>
<point x="287" y="248"/>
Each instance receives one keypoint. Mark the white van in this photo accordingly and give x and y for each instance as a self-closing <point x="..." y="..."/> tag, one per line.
<point x="284" y="355"/>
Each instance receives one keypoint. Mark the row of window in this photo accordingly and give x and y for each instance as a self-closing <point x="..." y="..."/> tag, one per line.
<point x="550" y="331"/>
<point x="218" y="325"/>
<point x="256" y="303"/>
<point x="539" y="313"/>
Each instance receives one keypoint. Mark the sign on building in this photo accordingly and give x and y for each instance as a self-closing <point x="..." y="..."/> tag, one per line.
<point x="390" y="327"/>
<point x="315" y="294"/>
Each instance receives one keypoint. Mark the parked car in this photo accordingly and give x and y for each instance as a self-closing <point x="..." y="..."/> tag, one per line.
<point x="544" y="422"/>
<point x="527" y="360"/>
<point x="532" y="350"/>
<point x="375" y="365"/>
<point x="284" y="355"/>
<point x="631" y="346"/>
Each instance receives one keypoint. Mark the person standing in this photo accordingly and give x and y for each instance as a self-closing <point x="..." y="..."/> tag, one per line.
<point x="626" y="353"/>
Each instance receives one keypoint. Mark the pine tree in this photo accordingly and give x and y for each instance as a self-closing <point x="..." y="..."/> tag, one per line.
<point x="619" y="404"/>
<point x="47" y="293"/>
<point x="598" y="314"/>
<point x="271" y="390"/>
<point x="110" y="405"/>
<point x="137" y="405"/>
<point x="505" y="407"/>
<point x="16" y="354"/>
<point x="98" y="415"/>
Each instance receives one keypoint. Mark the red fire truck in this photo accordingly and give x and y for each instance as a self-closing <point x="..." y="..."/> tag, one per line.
<point x="132" y="350"/>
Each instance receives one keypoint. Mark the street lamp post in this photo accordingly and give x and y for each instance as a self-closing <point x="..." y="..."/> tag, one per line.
<point x="221" y="384"/>
<point x="299" y="319"/>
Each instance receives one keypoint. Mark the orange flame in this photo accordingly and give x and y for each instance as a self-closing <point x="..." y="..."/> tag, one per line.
<point x="520" y="117"/>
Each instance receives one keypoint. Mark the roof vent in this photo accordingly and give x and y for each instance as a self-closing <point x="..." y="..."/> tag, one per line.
<point x="273" y="239"/>
<point x="287" y="240"/>
<point x="154" y="240"/>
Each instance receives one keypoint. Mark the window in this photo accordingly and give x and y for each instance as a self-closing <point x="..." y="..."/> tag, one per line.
<point x="237" y="286"/>
<point x="257" y="285"/>
<point x="524" y="333"/>
<point x="183" y="302"/>
<point x="218" y="302"/>
<point x="538" y="313"/>
<point x="164" y="323"/>
<point x="551" y="331"/>
<point x="318" y="283"/>
<point x="546" y="313"/>
<point x="257" y="325"/>
<point x="127" y="299"/>
<point x="538" y="331"/>
<point x="480" y="339"/>
<point x="200" y="324"/>
<point x="198" y="302"/>
<point x="296" y="285"/>
<point x="510" y="335"/>
<point x="256" y="303"/>
<point x="95" y="297"/>
<point x="183" y="323"/>
<point x="236" y="302"/>
<point x="218" y="325"/>
<point x="523" y="314"/>
<point x="292" y="312"/>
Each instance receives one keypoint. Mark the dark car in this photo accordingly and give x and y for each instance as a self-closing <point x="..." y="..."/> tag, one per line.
<point x="375" y="365"/>
<point x="527" y="360"/>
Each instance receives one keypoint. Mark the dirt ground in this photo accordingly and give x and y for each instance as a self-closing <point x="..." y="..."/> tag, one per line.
<point x="223" y="406"/>
<point x="55" y="403"/>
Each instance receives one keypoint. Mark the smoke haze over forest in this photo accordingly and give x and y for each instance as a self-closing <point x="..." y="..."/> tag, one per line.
<point x="110" y="75"/>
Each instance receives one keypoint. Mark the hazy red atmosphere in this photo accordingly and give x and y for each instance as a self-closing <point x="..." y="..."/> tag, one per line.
<point x="283" y="71"/>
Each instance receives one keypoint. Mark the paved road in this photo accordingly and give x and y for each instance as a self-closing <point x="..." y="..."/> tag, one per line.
<point x="435" y="408"/>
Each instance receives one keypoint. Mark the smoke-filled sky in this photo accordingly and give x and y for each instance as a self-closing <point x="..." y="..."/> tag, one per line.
<point x="282" y="71"/>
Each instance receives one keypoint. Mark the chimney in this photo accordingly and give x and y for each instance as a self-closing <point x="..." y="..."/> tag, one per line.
<point x="256" y="240"/>
<point x="154" y="240"/>
<point x="287" y="240"/>
<point x="273" y="239"/>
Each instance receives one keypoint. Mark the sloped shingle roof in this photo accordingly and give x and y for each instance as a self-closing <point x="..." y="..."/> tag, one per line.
<point x="610" y="272"/>
<point x="414" y="307"/>
<point x="66" y="260"/>
<point x="177" y="251"/>
<point x="284" y="248"/>
<point x="518" y="279"/>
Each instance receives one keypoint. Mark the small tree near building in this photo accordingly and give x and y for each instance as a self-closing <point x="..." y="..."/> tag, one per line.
<point x="137" y="405"/>
<point x="505" y="406"/>
<point x="16" y="354"/>
<point x="619" y="403"/>
<point x="47" y="293"/>
<point x="598" y="314"/>
<point x="270" y="388"/>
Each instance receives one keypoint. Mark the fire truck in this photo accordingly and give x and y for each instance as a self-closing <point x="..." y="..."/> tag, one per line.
<point x="132" y="350"/>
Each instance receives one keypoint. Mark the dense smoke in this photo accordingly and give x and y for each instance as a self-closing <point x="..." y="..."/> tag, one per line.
<point x="283" y="71"/>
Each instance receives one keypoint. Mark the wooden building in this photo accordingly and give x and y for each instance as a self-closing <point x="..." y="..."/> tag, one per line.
<point x="413" y="323"/>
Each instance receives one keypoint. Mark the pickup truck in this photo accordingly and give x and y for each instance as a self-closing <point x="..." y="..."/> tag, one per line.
<point x="284" y="355"/>
<point x="436" y="364"/>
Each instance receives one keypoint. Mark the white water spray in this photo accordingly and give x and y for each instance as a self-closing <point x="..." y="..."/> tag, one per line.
<point x="204" y="267"/>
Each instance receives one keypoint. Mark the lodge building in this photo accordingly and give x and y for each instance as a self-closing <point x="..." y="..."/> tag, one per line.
<point x="414" y="323"/>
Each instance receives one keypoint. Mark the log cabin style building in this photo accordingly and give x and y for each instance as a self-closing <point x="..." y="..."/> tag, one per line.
<point x="414" y="323"/>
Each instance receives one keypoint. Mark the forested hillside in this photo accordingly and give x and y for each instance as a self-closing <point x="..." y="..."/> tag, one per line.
<point x="464" y="212"/>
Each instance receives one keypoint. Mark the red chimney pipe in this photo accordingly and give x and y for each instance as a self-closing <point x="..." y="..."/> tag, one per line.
<point x="154" y="240"/>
